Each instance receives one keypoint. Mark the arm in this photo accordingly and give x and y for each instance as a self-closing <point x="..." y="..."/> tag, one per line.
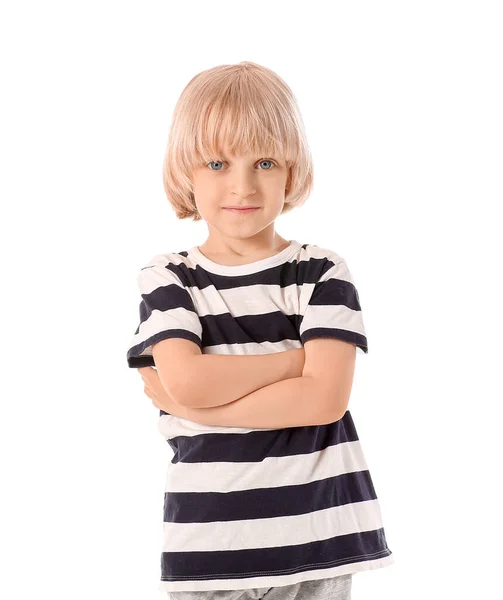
<point x="294" y="402"/>
<point x="319" y="396"/>
<point x="197" y="380"/>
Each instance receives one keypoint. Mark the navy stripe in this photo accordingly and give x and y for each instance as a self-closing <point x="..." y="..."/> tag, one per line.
<point x="268" y="327"/>
<point x="265" y="503"/>
<point x="164" y="298"/>
<point x="334" y="292"/>
<point x="283" y="275"/>
<point x="217" y="447"/>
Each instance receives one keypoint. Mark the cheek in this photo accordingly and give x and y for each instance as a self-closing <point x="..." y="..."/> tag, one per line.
<point x="206" y="187"/>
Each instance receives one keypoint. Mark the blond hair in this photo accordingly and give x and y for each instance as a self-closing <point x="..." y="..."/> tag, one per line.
<point x="251" y="109"/>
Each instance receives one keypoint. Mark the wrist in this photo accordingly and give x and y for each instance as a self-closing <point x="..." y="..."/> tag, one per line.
<point x="175" y="409"/>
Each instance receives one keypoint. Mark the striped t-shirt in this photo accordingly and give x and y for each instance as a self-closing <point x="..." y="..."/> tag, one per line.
<point x="254" y="508"/>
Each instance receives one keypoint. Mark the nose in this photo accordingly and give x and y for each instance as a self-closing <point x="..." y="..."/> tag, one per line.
<point x="243" y="183"/>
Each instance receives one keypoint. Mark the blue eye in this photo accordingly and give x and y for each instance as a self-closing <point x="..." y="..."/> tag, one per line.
<point x="265" y="160"/>
<point x="214" y="162"/>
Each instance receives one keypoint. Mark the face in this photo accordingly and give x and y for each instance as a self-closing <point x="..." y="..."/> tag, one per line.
<point x="240" y="180"/>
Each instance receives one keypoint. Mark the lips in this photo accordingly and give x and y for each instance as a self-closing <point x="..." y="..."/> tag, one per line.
<point x="242" y="210"/>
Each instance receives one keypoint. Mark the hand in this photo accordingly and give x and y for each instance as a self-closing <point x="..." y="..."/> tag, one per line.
<point x="155" y="391"/>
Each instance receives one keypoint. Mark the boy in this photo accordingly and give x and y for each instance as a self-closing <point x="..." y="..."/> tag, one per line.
<point x="254" y="340"/>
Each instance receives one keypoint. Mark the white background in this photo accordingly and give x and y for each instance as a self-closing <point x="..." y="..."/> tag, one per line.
<point x="402" y="103"/>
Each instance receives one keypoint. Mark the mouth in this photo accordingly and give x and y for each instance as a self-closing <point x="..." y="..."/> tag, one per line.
<point x="244" y="210"/>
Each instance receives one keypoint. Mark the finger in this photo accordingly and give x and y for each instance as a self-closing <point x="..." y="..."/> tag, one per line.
<point x="154" y="401"/>
<point x="154" y="381"/>
<point x="147" y="372"/>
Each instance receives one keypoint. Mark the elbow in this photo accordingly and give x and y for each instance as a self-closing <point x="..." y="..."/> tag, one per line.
<point x="330" y="405"/>
<point x="332" y="417"/>
<point x="343" y="407"/>
<point x="335" y="408"/>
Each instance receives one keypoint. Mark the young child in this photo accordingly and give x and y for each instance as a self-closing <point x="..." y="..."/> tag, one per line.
<point x="254" y="339"/>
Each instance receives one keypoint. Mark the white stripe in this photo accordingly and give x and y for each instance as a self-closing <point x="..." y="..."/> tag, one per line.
<point x="271" y="472"/>
<point x="274" y="532"/>
<point x="247" y="299"/>
<point x="175" y="318"/>
<point x="337" y="316"/>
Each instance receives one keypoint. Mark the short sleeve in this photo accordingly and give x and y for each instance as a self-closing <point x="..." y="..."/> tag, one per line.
<point x="166" y="311"/>
<point x="333" y="309"/>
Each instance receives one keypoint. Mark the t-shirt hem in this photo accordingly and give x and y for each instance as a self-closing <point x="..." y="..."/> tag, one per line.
<point x="275" y="581"/>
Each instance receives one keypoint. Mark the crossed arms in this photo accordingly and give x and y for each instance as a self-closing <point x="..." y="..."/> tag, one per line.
<point x="306" y="386"/>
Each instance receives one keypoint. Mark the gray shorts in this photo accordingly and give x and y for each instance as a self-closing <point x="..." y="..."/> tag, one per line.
<point x="334" y="588"/>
